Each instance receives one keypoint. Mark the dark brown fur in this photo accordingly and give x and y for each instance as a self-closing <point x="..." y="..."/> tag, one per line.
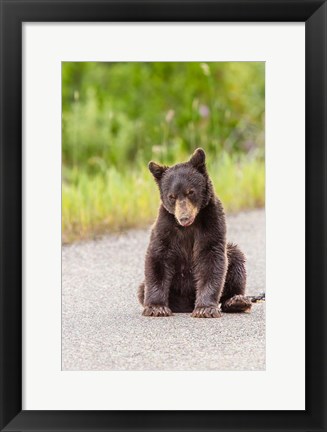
<point x="189" y="267"/>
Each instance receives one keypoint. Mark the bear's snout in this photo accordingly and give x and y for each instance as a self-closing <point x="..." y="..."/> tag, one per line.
<point x="185" y="221"/>
<point x="185" y="212"/>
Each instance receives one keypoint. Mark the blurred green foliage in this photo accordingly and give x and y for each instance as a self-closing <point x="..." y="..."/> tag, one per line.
<point x="118" y="116"/>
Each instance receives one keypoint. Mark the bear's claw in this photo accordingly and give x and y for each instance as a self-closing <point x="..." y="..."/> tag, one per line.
<point x="206" y="312"/>
<point x="157" y="311"/>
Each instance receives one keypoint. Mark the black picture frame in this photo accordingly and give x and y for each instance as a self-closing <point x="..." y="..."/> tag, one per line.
<point x="13" y="14"/>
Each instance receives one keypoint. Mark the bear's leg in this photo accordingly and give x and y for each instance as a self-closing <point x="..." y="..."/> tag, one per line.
<point x="209" y="273"/>
<point x="232" y="298"/>
<point x="154" y="292"/>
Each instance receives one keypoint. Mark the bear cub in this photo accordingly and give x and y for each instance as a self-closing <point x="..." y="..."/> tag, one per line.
<point x="189" y="267"/>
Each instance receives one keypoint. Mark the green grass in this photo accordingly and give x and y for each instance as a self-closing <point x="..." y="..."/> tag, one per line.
<point x="114" y="200"/>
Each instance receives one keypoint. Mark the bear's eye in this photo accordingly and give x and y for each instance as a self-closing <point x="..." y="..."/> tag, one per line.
<point x="171" y="197"/>
<point x="190" y="192"/>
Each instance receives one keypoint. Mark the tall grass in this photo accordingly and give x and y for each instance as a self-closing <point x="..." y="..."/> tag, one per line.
<point x="117" y="200"/>
<point x="116" y="114"/>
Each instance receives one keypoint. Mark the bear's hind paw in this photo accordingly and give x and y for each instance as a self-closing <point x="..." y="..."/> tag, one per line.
<point x="157" y="311"/>
<point x="238" y="303"/>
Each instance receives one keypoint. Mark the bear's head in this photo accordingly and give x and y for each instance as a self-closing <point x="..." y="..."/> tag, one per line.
<point x="185" y="188"/>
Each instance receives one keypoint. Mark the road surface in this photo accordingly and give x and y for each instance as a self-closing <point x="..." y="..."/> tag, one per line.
<point x="102" y="325"/>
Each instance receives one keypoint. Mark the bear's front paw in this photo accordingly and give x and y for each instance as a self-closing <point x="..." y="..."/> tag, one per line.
<point x="157" y="311"/>
<point x="206" y="312"/>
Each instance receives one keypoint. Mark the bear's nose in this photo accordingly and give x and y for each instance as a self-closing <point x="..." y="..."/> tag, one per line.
<point x="183" y="220"/>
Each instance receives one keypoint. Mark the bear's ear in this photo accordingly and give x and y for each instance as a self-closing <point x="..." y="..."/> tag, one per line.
<point x="157" y="170"/>
<point x="198" y="160"/>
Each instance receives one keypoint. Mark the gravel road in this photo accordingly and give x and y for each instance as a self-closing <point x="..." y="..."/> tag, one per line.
<point x="102" y="326"/>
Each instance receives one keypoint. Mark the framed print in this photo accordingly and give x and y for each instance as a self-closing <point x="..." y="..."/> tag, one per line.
<point x="208" y="121"/>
